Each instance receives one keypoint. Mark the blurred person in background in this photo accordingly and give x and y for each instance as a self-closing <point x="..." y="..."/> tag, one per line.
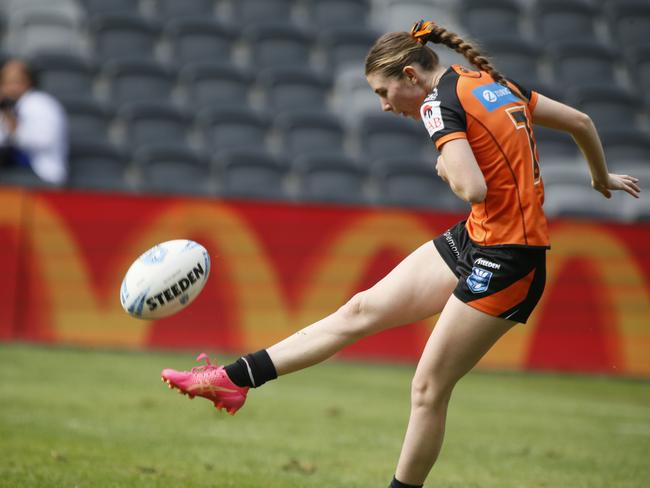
<point x="483" y="275"/>
<point x="33" y="125"/>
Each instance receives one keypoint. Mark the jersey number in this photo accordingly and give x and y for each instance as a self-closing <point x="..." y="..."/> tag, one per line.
<point x="519" y="118"/>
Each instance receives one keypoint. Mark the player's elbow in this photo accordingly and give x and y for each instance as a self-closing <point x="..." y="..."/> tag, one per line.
<point x="472" y="191"/>
<point x="581" y="123"/>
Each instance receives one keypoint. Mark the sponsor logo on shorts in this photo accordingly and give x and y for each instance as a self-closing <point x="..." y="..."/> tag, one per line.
<point x="487" y="264"/>
<point x="452" y="243"/>
<point x="479" y="280"/>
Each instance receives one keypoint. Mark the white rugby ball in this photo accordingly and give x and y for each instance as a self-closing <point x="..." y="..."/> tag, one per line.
<point x="165" y="279"/>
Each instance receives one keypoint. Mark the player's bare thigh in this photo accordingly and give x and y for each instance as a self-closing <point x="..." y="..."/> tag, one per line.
<point x="417" y="288"/>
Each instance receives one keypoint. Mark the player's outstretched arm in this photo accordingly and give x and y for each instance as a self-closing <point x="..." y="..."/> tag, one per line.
<point x="556" y="115"/>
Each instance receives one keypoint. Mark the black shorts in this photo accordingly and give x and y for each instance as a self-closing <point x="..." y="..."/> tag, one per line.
<point x="502" y="281"/>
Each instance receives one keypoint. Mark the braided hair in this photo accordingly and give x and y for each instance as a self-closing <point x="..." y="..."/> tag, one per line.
<point x="394" y="51"/>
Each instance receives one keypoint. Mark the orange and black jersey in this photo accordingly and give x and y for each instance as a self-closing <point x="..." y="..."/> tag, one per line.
<point x="497" y="125"/>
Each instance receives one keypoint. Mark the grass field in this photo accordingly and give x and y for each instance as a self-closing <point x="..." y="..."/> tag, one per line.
<point x="83" y="418"/>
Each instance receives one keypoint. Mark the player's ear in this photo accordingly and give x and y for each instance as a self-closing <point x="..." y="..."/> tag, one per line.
<point x="411" y="74"/>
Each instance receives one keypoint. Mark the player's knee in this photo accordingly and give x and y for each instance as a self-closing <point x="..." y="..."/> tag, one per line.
<point x="356" y="315"/>
<point x="430" y="393"/>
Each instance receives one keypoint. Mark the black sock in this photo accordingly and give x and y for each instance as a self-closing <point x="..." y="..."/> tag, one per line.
<point x="252" y="370"/>
<point x="398" y="484"/>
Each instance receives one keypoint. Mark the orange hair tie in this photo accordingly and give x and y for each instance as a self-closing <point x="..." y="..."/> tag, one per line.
<point x="421" y="30"/>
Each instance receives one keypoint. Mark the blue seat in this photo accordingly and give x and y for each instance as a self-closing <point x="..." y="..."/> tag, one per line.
<point x="583" y="62"/>
<point x="346" y="45"/>
<point x="175" y="9"/>
<point x="215" y="85"/>
<point x="199" y="40"/>
<point x="386" y="136"/>
<point x="331" y="178"/>
<point x="623" y="144"/>
<point x="293" y="88"/>
<point x="262" y="11"/>
<point x="482" y="18"/>
<point x="515" y="57"/>
<point x="231" y="128"/>
<point x="252" y="173"/>
<point x="560" y="20"/>
<point x="98" y="165"/>
<point x="608" y="106"/>
<point x="630" y="22"/>
<point x="64" y="74"/>
<point x="118" y="36"/>
<point x="153" y="123"/>
<point x="337" y="13"/>
<point x="275" y="45"/>
<point x="406" y="182"/>
<point x="132" y="80"/>
<point x="173" y="167"/>
<point x="87" y="118"/>
<point x="311" y="132"/>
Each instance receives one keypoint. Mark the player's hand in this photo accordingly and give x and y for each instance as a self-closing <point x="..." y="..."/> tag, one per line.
<point x="440" y="168"/>
<point x="626" y="183"/>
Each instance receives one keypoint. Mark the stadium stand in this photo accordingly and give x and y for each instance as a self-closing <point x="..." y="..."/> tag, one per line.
<point x="331" y="178"/>
<point x="97" y="164"/>
<point x="286" y="77"/>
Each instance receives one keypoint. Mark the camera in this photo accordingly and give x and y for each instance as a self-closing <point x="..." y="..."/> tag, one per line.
<point x="7" y="104"/>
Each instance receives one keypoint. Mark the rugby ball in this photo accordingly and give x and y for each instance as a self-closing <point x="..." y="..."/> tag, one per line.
<point x="165" y="279"/>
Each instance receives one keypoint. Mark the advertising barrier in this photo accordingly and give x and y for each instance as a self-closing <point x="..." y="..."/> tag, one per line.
<point x="278" y="267"/>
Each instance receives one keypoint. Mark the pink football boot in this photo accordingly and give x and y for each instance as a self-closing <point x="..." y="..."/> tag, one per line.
<point x="208" y="381"/>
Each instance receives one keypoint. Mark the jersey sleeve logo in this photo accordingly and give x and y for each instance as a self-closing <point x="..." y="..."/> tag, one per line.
<point x="494" y="95"/>
<point x="432" y="117"/>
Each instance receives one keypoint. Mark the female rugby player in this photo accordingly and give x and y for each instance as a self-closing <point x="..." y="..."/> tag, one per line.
<point x="483" y="275"/>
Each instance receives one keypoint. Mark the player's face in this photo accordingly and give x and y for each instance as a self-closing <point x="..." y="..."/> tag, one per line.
<point x="14" y="82"/>
<point x="397" y="95"/>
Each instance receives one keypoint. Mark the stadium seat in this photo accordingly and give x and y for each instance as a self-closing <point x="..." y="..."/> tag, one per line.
<point x="62" y="74"/>
<point x="199" y="39"/>
<point x="482" y="18"/>
<point x="131" y="80"/>
<point x="294" y="88"/>
<point x="631" y="22"/>
<point x="560" y="20"/>
<point x="579" y="201"/>
<point x="346" y="45"/>
<point x="174" y="9"/>
<point x="261" y="11"/>
<point x="273" y="45"/>
<point x="172" y="167"/>
<point x="387" y="136"/>
<point x="583" y="62"/>
<point x="409" y="182"/>
<point x="252" y="173"/>
<point x="331" y="178"/>
<point x="94" y="7"/>
<point x="554" y="146"/>
<point x="608" y="106"/>
<point x="119" y="36"/>
<point x="352" y="97"/>
<point x="97" y="164"/>
<point x="215" y="85"/>
<point x="324" y="14"/>
<point x="310" y="132"/>
<point x="399" y="15"/>
<point x="623" y="145"/>
<point x="87" y="118"/>
<point x="515" y="57"/>
<point x="45" y="30"/>
<point x="639" y="65"/>
<point x="153" y="122"/>
<point x="233" y="128"/>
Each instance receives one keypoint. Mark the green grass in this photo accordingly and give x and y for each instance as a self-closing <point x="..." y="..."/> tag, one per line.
<point x="73" y="417"/>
